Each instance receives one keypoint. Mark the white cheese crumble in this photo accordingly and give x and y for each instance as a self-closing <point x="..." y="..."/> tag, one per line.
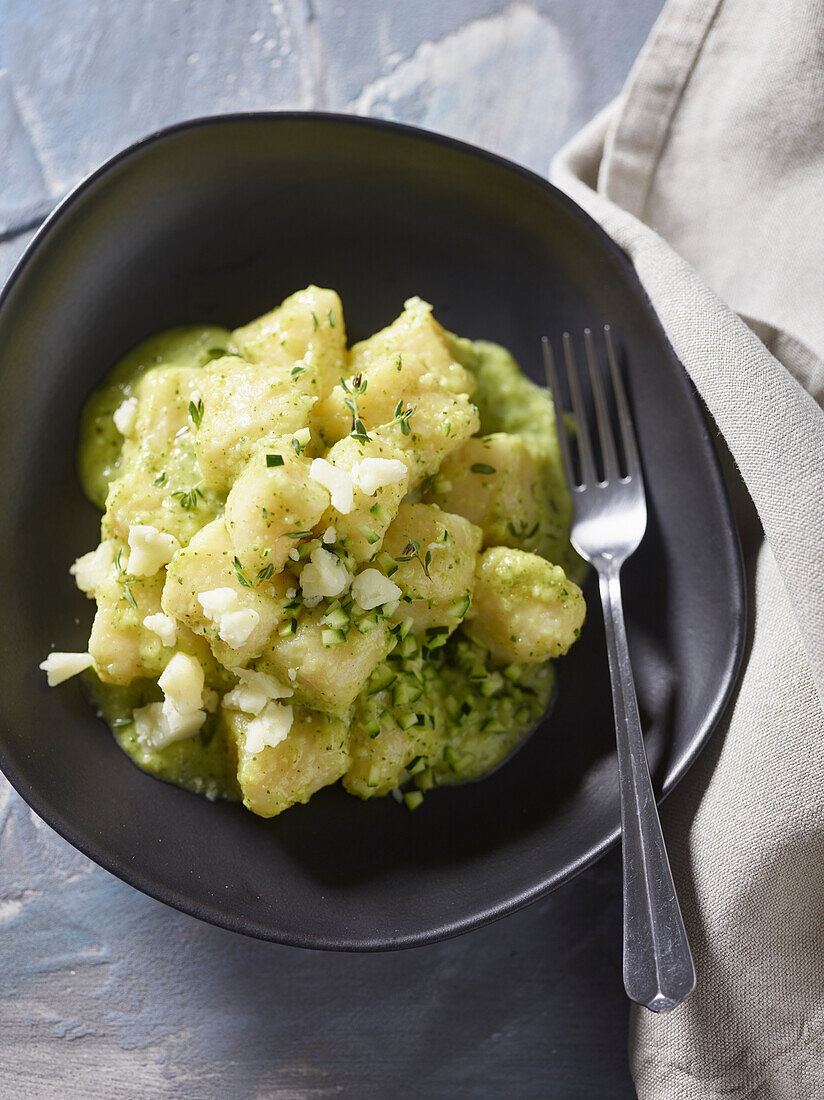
<point x="371" y="589"/>
<point x="371" y="474"/>
<point x="270" y="727"/>
<point x="163" y="626"/>
<point x="149" y="549"/>
<point x="292" y="673"/>
<point x="180" y="714"/>
<point x="234" y="622"/>
<point x="294" y="555"/>
<point x="254" y="691"/>
<point x="324" y="575"/>
<point x="303" y="435"/>
<point x="329" y="535"/>
<point x="62" y="666"/>
<point x="339" y="483"/>
<point x="125" y="416"/>
<point x="157" y="725"/>
<point x="92" y="569"/>
<point x="291" y="593"/>
<point x="182" y="682"/>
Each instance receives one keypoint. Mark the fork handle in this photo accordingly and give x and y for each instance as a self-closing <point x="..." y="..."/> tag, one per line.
<point x="658" y="967"/>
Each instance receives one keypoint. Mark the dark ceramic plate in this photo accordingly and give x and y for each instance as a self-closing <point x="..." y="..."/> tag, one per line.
<point x="216" y="220"/>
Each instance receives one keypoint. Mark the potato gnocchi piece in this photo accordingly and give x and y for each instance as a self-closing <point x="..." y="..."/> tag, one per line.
<point x="242" y="403"/>
<point x="378" y="759"/>
<point x="160" y="483"/>
<point x="382" y="390"/>
<point x="494" y="482"/>
<point x="436" y="554"/>
<point x="326" y="675"/>
<point x="99" y="452"/>
<point x="272" y="499"/>
<point x="524" y="610"/>
<point x="207" y="565"/>
<point x="123" y="647"/>
<point x="415" y="336"/>
<point x="305" y="334"/>
<point x="438" y="426"/>
<point x="315" y="753"/>
<point x="361" y="530"/>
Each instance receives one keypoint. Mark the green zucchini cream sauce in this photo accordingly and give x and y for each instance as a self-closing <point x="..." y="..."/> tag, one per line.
<point x="466" y="715"/>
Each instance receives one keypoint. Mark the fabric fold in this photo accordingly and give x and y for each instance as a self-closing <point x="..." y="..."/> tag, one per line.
<point x="713" y="184"/>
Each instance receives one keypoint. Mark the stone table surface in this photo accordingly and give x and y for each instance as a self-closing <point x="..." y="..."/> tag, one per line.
<point x="107" y="993"/>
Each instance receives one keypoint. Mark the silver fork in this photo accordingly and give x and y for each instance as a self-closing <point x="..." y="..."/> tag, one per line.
<point x="609" y="520"/>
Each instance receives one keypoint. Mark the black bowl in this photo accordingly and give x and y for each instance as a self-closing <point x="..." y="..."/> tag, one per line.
<point x="216" y="220"/>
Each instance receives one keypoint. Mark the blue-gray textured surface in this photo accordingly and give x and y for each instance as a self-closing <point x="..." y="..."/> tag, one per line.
<point x="106" y="993"/>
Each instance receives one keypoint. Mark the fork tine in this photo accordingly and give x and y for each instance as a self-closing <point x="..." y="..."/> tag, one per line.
<point x="624" y="415"/>
<point x="588" y="476"/>
<point x="608" y="452"/>
<point x="555" y="390"/>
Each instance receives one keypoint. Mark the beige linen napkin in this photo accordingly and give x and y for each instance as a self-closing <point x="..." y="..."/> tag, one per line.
<point x="709" y="171"/>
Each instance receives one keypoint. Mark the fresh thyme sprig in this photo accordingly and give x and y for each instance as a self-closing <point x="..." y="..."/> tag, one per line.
<point x="241" y="576"/>
<point x="411" y="551"/>
<point x="196" y="411"/>
<point x="124" y="579"/>
<point x="188" y="498"/>
<point x="358" y="388"/>
<point x="523" y="532"/>
<point x="402" y="417"/>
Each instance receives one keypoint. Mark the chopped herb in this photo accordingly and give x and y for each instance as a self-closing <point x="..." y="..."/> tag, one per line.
<point x="296" y="446"/>
<point x="297" y="370"/>
<point x="274" y="460"/>
<point x="241" y="576"/>
<point x="482" y="468"/>
<point x="265" y="573"/>
<point x="297" y="534"/>
<point x="160" y="479"/>
<point x="331" y="317"/>
<point x="399" y="363"/>
<point x="196" y="411"/>
<point x="314" y="321"/>
<point x="127" y="594"/>
<point x="216" y="352"/>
